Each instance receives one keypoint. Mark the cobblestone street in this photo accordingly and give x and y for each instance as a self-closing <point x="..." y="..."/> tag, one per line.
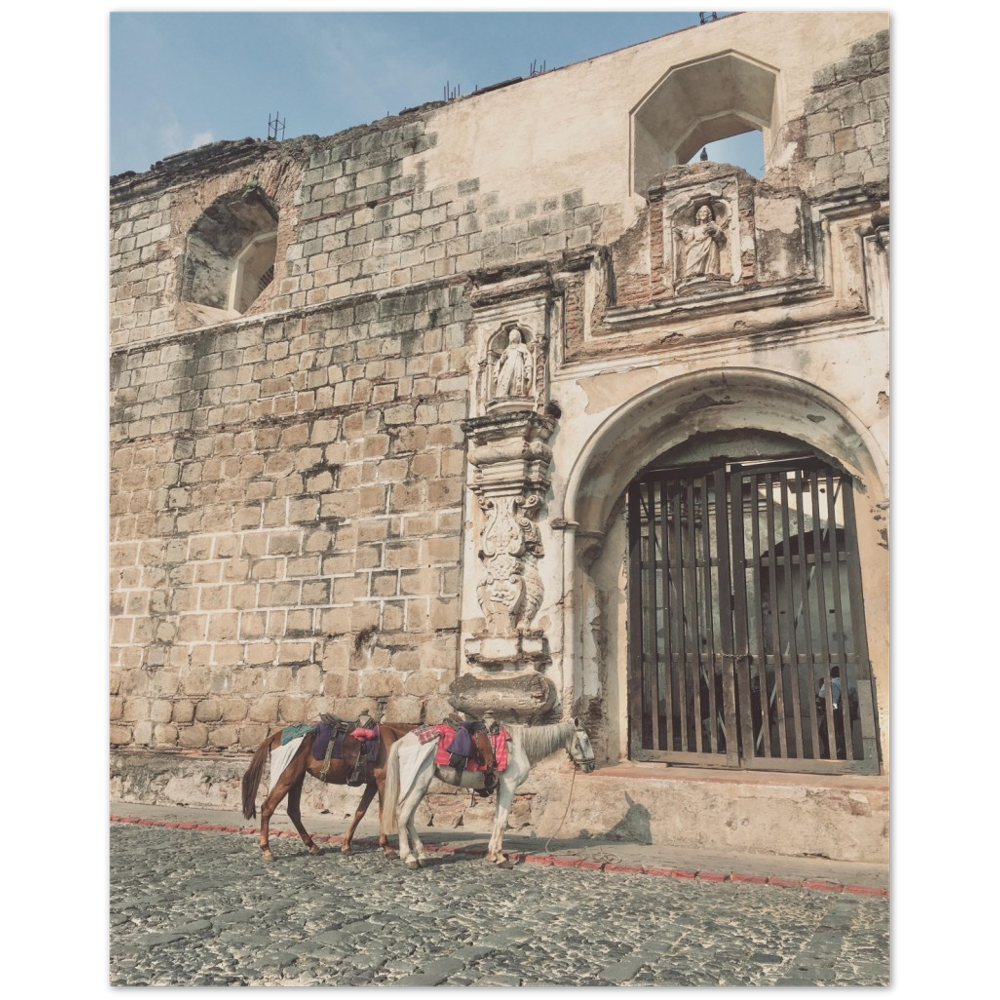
<point x="203" y="909"/>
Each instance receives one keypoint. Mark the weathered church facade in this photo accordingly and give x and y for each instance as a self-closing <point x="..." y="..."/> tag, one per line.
<point x="503" y="404"/>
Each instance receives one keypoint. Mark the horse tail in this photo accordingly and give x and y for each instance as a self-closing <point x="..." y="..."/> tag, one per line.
<point x="390" y="797"/>
<point x="251" y="780"/>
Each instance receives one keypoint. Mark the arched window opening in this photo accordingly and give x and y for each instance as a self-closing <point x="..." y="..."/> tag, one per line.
<point x="230" y="254"/>
<point x="698" y="104"/>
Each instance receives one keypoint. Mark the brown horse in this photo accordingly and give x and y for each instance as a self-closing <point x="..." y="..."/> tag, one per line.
<point x="336" y="771"/>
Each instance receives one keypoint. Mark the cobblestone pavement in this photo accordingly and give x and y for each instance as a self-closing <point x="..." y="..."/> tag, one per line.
<point x="203" y="909"/>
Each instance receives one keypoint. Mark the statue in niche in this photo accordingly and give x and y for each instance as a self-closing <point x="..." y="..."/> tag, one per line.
<point x="701" y="245"/>
<point x="514" y="369"/>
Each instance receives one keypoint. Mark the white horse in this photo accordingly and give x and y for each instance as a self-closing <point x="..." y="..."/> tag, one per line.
<point x="411" y="764"/>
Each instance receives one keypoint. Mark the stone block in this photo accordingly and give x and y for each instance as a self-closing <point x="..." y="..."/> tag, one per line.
<point x="164" y="734"/>
<point x="261" y="652"/>
<point x="194" y="736"/>
<point x="223" y="736"/>
<point x="161" y="711"/>
<point x="251" y="736"/>
<point x="208" y="710"/>
<point x="265" y="709"/>
<point x="233" y="709"/>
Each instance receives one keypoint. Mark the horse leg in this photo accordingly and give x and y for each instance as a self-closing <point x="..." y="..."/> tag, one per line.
<point x="505" y="799"/>
<point x="405" y="813"/>
<point x="383" y="838"/>
<point x="266" y="812"/>
<point x="411" y="849"/>
<point x="366" y="801"/>
<point x="294" y="772"/>
<point x="418" y="845"/>
<point x="295" y="814"/>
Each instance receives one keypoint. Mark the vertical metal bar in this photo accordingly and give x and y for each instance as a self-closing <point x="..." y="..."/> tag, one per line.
<point x="805" y="614"/>
<point x="803" y="603"/>
<point x="789" y="594"/>
<point x="669" y="613"/>
<point x="738" y="605"/>
<point x="770" y="691"/>
<point x="790" y="653"/>
<point x="864" y="681"/>
<point x="680" y="584"/>
<point x="838" y="621"/>
<point x="821" y="616"/>
<point x="710" y="666"/>
<point x="635" y="604"/>
<point x="760" y="654"/>
<point x="693" y="658"/>
<point x="725" y="598"/>
<point x="650" y="605"/>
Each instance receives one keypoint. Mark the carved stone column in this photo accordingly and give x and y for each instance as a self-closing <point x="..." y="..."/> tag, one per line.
<point x="509" y="456"/>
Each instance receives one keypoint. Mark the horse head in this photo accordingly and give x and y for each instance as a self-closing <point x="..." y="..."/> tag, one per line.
<point x="581" y="753"/>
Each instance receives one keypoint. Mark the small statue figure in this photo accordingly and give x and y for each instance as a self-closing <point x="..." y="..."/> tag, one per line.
<point x="702" y="242"/>
<point x="514" y="369"/>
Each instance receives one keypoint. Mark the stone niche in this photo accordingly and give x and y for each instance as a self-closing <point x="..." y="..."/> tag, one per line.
<point x="713" y="234"/>
<point x="509" y="458"/>
<point x="701" y="229"/>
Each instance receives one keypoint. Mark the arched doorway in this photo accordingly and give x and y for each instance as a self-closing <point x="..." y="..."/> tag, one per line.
<point x="747" y="645"/>
<point x="770" y="440"/>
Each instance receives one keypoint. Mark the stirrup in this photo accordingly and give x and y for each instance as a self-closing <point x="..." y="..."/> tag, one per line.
<point x="359" y="772"/>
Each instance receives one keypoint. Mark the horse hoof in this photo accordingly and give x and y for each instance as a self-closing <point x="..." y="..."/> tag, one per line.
<point x="506" y="863"/>
<point x="315" y="849"/>
<point x="390" y="854"/>
<point x="346" y="849"/>
<point x="268" y="856"/>
<point x="413" y="864"/>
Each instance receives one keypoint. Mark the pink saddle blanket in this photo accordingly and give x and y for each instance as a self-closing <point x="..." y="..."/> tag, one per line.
<point x="445" y="734"/>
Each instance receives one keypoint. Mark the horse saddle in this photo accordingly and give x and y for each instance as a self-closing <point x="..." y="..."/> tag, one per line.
<point x="463" y="751"/>
<point x="331" y="733"/>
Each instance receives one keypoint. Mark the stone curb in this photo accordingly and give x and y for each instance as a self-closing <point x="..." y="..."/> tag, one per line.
<point x="546" y="859"/>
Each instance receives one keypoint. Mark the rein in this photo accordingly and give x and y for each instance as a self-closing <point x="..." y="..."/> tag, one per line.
<point x="569" y="799"/>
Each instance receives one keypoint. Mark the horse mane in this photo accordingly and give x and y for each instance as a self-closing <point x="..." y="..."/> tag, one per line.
<point x="541" y="741"/>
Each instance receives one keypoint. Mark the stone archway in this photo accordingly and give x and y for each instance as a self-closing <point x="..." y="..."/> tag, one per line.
<point x="676" y="417"/>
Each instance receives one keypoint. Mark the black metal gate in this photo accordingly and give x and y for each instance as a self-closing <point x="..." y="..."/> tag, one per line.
<point x="747" y="641"/>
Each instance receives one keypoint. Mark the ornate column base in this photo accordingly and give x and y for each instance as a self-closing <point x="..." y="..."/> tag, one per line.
<point x="526" y="696"/>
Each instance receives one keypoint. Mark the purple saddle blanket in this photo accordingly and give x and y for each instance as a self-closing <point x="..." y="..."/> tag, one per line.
<point x="369" y="747"/>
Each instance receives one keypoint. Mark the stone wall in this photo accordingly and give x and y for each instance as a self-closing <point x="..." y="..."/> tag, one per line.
<point x="844" y="132"/>
<point x="289" y="490"/>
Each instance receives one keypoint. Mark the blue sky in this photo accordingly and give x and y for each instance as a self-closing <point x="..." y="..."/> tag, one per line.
<point x="179" y="80"/>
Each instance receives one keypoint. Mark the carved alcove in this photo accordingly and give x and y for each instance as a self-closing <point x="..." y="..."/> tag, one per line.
<point x="702" y="232"/>
<point x="511" y="370"/>
<point x="700" y="245"/>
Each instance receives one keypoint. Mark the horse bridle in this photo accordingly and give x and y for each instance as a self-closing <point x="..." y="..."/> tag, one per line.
<point x="579" y="763"/>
